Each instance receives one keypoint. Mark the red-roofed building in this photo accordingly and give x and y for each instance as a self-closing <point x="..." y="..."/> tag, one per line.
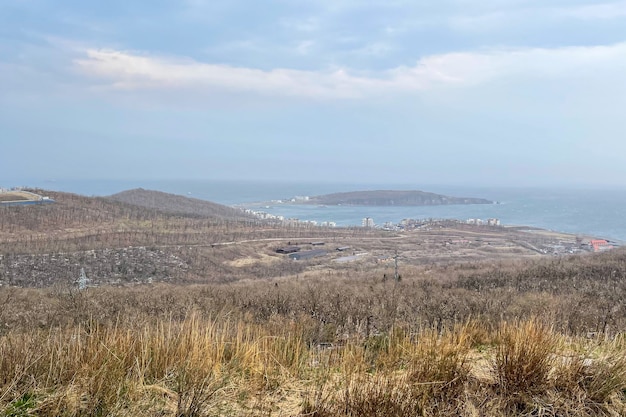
<point x="600" y="245"/>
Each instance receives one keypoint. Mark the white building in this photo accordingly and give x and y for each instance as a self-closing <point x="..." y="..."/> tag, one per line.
<point x="367" y="222"/>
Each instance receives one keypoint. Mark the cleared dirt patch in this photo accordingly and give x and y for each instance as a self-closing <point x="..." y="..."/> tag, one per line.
<point x="260" y="259"/>
<point x="14" y="197"/>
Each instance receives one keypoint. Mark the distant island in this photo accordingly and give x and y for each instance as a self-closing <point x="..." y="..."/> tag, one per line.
<point x="388" y="198"/>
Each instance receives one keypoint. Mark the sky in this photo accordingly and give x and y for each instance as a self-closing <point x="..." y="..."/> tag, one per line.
<point x="458" y="92"/>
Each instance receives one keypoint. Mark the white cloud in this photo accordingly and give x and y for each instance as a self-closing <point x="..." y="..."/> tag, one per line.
<point x="600" y="11"/>
<point x="499" y="17"/>
<point x="126" y="70"/>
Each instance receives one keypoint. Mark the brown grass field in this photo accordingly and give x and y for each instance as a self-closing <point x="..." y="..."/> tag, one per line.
<point x="480" y="324"/>
<point x="14" y="196"/>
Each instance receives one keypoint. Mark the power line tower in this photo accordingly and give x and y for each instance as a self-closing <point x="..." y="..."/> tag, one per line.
<point x="83" y="280"/>
<point x="396" y="275"/>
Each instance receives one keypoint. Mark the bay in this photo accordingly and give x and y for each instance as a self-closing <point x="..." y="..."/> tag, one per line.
<point x="590" y="212"/>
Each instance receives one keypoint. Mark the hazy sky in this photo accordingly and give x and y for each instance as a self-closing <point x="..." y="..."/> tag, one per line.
<point x="494" y="92"/>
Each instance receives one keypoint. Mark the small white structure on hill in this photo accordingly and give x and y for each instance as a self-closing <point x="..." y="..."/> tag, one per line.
<point x="83" y="281"/>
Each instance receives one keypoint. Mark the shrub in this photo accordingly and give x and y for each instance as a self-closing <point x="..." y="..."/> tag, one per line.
<point x="524" y="358"/>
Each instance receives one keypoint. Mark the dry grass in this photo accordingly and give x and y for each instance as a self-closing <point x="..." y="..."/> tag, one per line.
<point x="448" y="340"/>
<point x="200" y="366"/>
<point x="524" y="357"/>
<point x="189" y="366"/>
<point x="337" y="345"/>
<point x="423" y="374"/>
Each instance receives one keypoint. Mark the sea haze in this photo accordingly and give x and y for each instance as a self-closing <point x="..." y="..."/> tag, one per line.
<point x="598" y="212"/>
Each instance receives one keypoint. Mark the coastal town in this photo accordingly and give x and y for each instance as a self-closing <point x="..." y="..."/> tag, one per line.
<point x="550" y="242"/>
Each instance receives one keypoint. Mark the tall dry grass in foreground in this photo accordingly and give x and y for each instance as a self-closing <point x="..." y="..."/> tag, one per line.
<point x="200" y="366"/>
<point x="461" y="341"/>
<point x="181" y="368"/>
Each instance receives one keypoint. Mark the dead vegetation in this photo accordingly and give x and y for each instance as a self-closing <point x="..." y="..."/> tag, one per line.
<point x="120" y="243"/>
<point x="179" y="205"/>
<point x="200" y="365"/>
<point x="239" y="330"/>
<point x="503" y="340"/>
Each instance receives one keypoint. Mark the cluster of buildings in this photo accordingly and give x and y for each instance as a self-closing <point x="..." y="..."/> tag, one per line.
<point x="412" y="224"/>
<point x="315" y="250"/>
<point x="480" y="222"/>
<point x="263" y="215"/>
<point x="294" y="252"/>
<point x="368" y="222"/>
<point x="291" y="221"/>
<point x="307" y="223"/>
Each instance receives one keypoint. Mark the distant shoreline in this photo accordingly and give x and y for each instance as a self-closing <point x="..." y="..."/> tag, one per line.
<point x="595" y="212"/>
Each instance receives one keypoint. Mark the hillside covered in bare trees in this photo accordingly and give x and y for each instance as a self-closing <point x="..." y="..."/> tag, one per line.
<point x="190" y="310"/>
<point x="180" y="205"/>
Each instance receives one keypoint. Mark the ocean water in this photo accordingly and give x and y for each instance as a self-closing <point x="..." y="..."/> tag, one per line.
<point x="593" y="212"/>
